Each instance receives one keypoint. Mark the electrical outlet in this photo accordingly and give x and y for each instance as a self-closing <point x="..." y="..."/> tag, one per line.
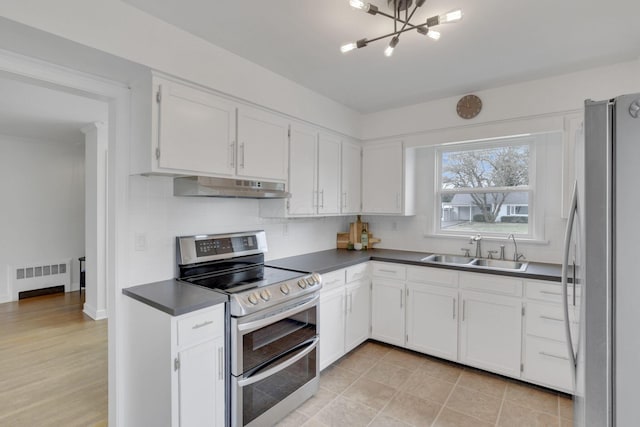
<point x="140" y="242"/>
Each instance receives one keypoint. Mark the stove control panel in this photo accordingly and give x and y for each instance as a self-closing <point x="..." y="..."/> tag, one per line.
<point x="253" y="300"/>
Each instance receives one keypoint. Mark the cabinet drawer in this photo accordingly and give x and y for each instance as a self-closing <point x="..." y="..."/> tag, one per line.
<point x="547" y="362"/>
<point x="433" y="276"/>
<point x="491" y="283"/>
<point x="201" y="326"/>
<point x="547" y="291"/>
<point x="333" y="279"/>
<point x="357" y="272"/>
<point x="391" y="271"/>
<point x="547" y="321"/>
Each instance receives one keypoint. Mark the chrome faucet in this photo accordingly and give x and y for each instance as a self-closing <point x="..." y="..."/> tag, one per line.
<point x="516" y="255"/>
<point x="477" y="238"/>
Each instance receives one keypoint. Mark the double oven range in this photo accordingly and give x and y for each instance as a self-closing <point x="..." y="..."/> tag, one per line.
<point x="272" y="323"/>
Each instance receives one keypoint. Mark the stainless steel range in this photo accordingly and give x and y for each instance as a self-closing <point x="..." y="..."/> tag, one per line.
<point x="273" y="329"/>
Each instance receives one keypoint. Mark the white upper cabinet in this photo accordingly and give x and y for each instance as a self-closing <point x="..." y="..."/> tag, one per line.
<point x="303" y="170"/>
<point x="351" y="196"/>
<point x="314" y="175"/>
<point x="329" y="148"/>
<point x="183" y="129"/>
<point x="263" y="151"/>
<point x="388" y="179"/>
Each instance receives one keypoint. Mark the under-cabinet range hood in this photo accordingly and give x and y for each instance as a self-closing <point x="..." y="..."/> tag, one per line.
<point x="205" y="186"/>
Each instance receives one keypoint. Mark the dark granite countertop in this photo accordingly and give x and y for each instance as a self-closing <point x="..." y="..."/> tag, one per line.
<point x="175" y="297"/>
<point x="335" y="259"/>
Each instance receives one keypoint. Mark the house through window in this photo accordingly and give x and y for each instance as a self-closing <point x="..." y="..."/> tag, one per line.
<point x="485" y="188"/>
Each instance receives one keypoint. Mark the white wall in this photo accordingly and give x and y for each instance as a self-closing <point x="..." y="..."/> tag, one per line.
<point x="124" y="31"/>
<point x="42" y="216"/>
<point x="535" y="98"/>
<point x="531" y="107"/>
<point x="157" y="217"/>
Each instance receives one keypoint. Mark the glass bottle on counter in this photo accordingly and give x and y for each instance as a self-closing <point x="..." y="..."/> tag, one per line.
<point x="364" y="238"/>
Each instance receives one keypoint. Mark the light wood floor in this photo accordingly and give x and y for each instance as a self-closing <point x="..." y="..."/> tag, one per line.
<point x="53" y="363"/>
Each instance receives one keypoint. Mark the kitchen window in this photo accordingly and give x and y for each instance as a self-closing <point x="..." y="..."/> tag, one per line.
<point x="486" y="188"/>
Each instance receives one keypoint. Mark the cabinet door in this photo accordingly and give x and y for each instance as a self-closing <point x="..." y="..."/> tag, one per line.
<point x="358" y="314"/>
<point x="490" y="332"/>
<point x="328" y="174"/>
<point x="432" y="320"/>
<point x="351" y="177"/>
<point x="201" y="384"/>
<point x="302" y="170"/>
<point x="387" y="311"/>
<point x="196" y="130"/>
<point x="332" y="318"/>
<point x="382" y="176"/>
<point x="263" y="149"/>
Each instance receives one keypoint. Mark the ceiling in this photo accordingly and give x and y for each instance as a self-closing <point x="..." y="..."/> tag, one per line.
<point x="34" y="112"/>
<point x="498" y="42"/>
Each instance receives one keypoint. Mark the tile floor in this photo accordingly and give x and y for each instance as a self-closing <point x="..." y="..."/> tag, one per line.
<point x="378" y="385"/>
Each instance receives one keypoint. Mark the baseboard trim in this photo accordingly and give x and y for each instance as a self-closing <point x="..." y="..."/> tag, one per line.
<point x="94" y="313"/>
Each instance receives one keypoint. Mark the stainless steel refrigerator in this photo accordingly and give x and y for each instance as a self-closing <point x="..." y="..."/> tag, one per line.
<point x="602" y="265"/>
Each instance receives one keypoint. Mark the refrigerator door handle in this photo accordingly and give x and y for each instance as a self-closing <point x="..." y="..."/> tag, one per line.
<point x="565" y="273"/>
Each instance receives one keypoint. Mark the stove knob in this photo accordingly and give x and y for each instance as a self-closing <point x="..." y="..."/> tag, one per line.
<point x="310" y="281"/>
<point x="302" y="283"/>
<point x="284" y="288"/>
<point x="253" y="299"/>
<point x="316" y="277"/>
<point x="265" y="295"/>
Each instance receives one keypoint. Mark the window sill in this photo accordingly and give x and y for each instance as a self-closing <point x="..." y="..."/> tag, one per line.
<point x="527" y="241"/>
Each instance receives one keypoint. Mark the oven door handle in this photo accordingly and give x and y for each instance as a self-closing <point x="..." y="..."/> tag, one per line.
<point x="252" y="326"/>
<point x="281" y="366"/>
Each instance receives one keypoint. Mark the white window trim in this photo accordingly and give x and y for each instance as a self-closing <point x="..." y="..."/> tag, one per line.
<point x="536" y="210"/>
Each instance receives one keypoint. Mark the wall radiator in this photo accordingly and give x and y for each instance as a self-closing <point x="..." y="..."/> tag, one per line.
<point x="41" y="276"/>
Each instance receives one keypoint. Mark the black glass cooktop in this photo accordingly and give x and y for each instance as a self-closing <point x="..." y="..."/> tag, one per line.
<point x="250" y="278"/>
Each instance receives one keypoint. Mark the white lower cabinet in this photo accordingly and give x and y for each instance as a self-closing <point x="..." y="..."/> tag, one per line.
<point x="345" y="307"/>
<point x="388" y="311"/>
<point x="491" y="332"/>
<point x="432" y="320"/>
<point x="358" y="313"/>
<point x="545" y="352"/>
<point x="201" y="381"/>
<point x="174" y="367"/>
<point x="332" y="326"/>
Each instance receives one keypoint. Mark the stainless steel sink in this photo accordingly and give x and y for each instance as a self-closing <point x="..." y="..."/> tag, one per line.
<point x="489" y="264"/>
<point x="448" y="259"/>
<point x="497" y="264"/>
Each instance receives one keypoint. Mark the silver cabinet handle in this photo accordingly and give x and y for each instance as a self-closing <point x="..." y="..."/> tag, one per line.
<point x="454" y="309"/>
<point x="552" y="318"/>
<point x="220" y="363"/>
<point x="401" y="298"/>
<point x="464" y="309"/>
<point x="202" y="325"/>
<point x="232" y="154"/>
<point x="344" y="200"/>
<point x="242" y="153"/>
<point x="350" y="303"/>
<point x="555" y="356"/>
<point x="322" y="198"/>
<point x="551" y="293"/>
<point x="387" y="271"/>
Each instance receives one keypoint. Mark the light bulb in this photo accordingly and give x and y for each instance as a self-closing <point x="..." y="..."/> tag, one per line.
<point x="347" y="47"/>
<point x="392" y="45"/>
<point x="359" y="4"/>
<point x="434" y="34"/>
<point x="451" y="16"/>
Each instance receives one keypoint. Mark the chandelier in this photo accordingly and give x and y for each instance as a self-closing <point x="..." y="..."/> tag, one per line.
<point x="401" y="22"/>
